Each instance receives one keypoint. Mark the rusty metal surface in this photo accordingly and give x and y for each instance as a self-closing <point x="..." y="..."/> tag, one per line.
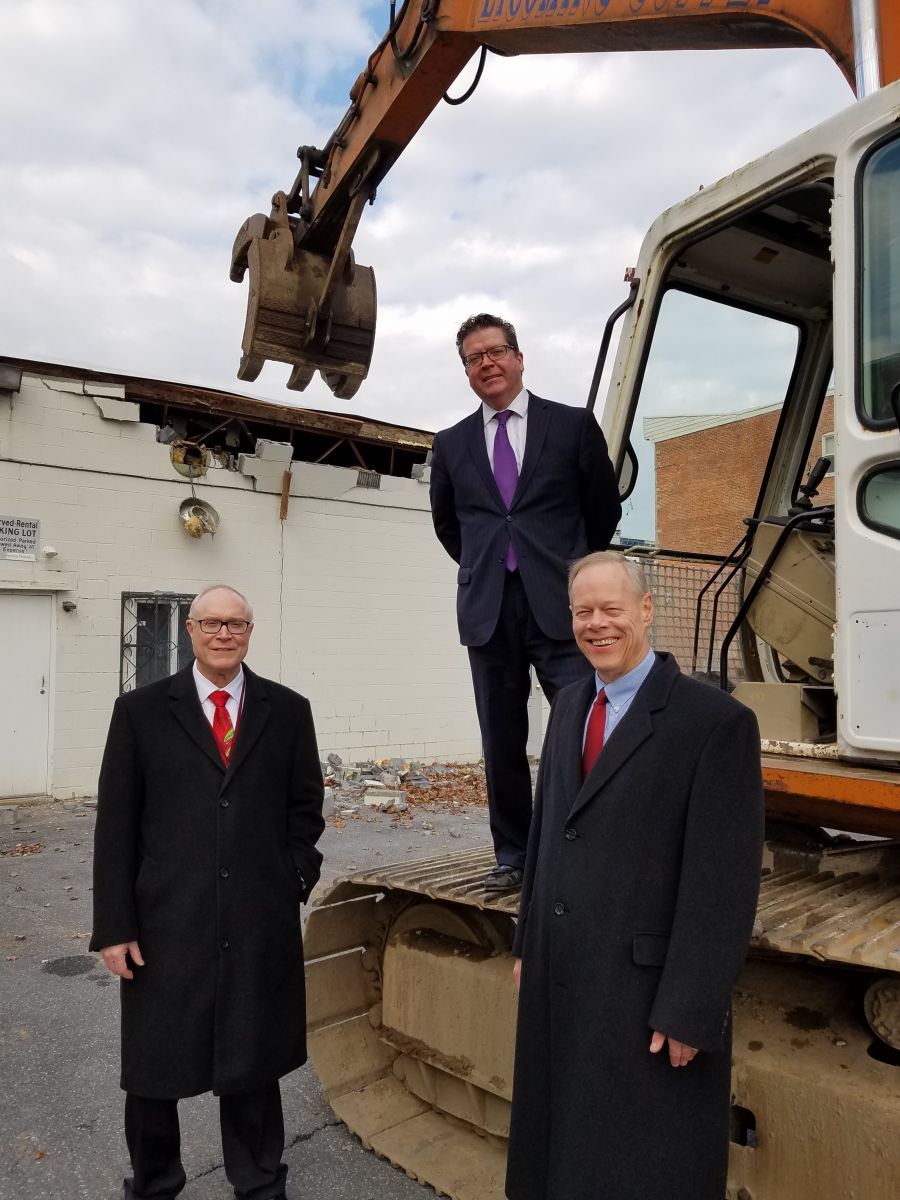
<point x="843" y="909"/>
<point x="821" y="752"/>
<point x="833" y="794"/>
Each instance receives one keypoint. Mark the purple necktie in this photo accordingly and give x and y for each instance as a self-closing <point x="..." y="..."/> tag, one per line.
<point x="506" y="473"/>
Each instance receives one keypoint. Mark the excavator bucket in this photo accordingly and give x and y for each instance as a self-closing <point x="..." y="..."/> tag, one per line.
<point x="303" y="308"/>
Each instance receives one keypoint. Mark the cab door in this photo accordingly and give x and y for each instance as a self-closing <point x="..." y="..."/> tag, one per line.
<point x="866" y="249"/>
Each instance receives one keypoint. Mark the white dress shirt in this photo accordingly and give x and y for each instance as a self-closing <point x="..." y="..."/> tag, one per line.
<point x="205" y="689"/>
<point x="516" y="428"/>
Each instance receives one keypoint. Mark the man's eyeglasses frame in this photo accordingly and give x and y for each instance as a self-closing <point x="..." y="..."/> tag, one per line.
<point x="213" y="625"/>
<point x="494" y="353"/>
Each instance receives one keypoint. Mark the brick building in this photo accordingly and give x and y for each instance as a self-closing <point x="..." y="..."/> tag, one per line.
<point x="709" y="469"/>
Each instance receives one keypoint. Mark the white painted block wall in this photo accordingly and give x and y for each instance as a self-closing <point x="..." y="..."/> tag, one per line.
<point x="353" y="596"/>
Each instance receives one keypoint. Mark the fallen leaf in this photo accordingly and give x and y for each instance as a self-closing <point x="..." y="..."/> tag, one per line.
<point x="38" y="1155"/>
<point x="80" y="937"/>
<point x="23" y="848"/>
<point x="20" y="937"/>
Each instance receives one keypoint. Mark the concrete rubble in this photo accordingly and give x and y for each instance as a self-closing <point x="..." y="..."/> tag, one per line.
<point x="382" y="786"/>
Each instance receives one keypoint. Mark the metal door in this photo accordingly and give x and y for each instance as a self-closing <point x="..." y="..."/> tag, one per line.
<point x="867" y="434"/>
<point x="25" y="642"/>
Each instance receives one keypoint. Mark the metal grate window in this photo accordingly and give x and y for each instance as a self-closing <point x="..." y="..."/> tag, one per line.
<point x="155" y="642"/>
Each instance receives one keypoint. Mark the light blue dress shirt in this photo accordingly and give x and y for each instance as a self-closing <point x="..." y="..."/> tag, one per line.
<point x="619" y="695"/>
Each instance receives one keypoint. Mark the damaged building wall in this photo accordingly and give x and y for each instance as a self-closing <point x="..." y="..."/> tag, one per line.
<point x="353" y="596"/>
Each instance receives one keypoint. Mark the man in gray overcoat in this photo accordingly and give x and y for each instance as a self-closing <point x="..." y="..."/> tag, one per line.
<point x="637" y="907"/>
<point x="209" y="810"/>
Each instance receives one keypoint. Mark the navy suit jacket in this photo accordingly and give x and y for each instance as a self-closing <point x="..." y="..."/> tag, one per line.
<point x="566" y="505"/>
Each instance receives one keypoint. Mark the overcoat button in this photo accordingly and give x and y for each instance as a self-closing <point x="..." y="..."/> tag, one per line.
<point x="571" y="834"/>
<point x="223" y="945"/>
<point x="223" y="803"/>
<point x="509" y="518"/>
<point x="223" y="871"/>
<point x="559" y="908"/>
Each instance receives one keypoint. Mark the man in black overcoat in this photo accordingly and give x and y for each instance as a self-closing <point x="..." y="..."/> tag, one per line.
<point x="519" y="489"/>
<point x="209" y="810"/>
<point x="637" y="907"/>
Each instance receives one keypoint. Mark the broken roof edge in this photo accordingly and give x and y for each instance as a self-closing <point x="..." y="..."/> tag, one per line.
<point x="144" y="389"/>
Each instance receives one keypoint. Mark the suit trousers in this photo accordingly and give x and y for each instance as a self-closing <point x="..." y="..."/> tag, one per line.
<point x="502" y="681"/>
<point x="252" y="1128"/>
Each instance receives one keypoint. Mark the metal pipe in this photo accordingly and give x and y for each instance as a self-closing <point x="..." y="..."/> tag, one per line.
<point x="866" y="47"/>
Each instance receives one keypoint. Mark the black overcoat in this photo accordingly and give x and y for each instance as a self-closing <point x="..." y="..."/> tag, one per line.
<point x="637" y="907"/>
<point x="566" y="504"/>
<point x="206" y="869"/>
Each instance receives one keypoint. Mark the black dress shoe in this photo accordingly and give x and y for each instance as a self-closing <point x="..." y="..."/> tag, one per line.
<point x="503" y="879"/>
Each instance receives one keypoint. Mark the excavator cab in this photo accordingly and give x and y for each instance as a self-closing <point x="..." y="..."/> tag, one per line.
<point x="780" y="290"/>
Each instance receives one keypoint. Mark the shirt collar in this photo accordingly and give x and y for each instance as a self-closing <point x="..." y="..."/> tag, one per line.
<point x="205" y="687"/>
<point x="518" y="406"/>
<point x="623" y="689"/>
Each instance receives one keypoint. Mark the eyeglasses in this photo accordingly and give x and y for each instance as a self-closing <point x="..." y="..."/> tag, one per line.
<point x="213" y="625"/>
<point x="495" y="354"/>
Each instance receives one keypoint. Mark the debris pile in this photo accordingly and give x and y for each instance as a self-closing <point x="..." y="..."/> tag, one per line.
<point x="395" y="786"/>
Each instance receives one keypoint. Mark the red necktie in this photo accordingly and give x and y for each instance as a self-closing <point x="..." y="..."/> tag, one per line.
<point x="223" y="730"/>
<point x="593" y="739"/>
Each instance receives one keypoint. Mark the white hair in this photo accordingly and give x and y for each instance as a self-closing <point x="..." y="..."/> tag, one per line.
<point x="599" y="558"/>
<point x="221" y="587"/>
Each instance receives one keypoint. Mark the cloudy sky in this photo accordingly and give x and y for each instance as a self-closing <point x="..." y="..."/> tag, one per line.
<point x="138" y="136"/>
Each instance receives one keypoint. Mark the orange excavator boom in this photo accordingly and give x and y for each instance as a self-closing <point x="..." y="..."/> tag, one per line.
<point x="310" y="304"/>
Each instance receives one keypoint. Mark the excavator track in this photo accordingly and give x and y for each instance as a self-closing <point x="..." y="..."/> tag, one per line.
<point x="843" y="907"/>
<point x="411" y="1016"/>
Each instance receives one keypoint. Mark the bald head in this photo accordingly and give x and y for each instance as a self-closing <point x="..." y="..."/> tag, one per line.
<point x="220" y="624"/>
<point x="611" y="613"/>
<point x="202" y="599"/>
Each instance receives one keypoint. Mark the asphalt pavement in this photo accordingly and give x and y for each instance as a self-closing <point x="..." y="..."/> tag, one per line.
<point x="60" y="1104"/>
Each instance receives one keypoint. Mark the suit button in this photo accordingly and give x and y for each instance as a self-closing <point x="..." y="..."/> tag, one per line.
<point x="559" y="908"/>
<point x="223" y="803"/>
<point x="223" y="945"/>
<point x="501" y="560"/>
<point x="223" y="872"/>
<point x="509" y="518"/>
<point x="571" y="834"/>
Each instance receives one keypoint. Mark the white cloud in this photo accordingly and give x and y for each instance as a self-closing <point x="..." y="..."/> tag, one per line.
<point x="145" y="133"/>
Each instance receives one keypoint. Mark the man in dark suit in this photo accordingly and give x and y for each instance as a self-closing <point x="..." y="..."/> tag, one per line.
<point x="209" y="810"/>
<point x="638" y="903"/>
<point x="519" y="489"/>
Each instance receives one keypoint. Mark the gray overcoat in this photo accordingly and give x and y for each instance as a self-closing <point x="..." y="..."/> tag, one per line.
<point x="206" y="869"/>
<point x="637" y="907"/>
